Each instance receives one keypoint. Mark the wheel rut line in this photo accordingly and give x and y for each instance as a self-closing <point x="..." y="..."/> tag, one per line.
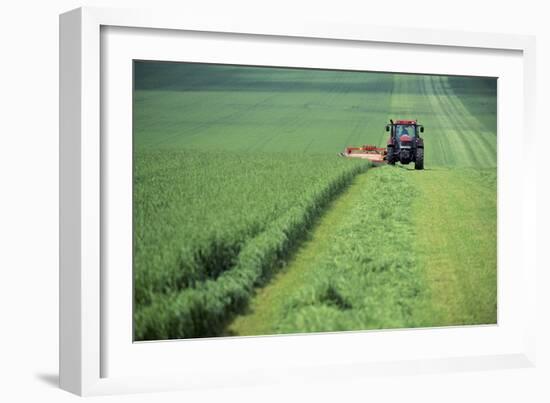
<point x="468" y="123"/>
<point x="429" y="93"/>
<point x="447" y="117"/>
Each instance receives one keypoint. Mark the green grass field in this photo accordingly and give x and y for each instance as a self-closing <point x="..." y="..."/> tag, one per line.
<point x="246" y="221"/>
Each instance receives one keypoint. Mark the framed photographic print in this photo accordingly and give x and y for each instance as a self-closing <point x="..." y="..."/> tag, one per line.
<point x="322" y="199"/>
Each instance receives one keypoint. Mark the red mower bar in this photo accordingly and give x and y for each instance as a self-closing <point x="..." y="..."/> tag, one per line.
<point x="369" y="152"/>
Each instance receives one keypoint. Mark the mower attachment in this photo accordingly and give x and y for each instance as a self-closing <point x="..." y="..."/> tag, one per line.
<point x="369" y="152"/>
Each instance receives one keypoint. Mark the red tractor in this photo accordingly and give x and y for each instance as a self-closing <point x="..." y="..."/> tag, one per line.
<point x="404" y="145"/>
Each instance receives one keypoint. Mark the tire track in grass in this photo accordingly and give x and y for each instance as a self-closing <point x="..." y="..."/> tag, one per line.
<point x="458" y="119"/>
<point x="439" y="151"/>
<point x="463" y="152"/>
<point x="464" y="130"/>
<point x="453" y="140"/>
<point x="455" y="150"/>
<point x="472" y="127"/>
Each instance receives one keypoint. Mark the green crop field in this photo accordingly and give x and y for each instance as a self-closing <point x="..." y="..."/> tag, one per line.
<point x="247" y="222"/>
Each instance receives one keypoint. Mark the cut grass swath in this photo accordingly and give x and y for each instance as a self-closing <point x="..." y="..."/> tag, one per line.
<point x="369" y="277"/>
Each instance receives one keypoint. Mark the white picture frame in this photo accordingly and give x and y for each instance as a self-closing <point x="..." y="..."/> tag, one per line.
<point x="83" y="309"/>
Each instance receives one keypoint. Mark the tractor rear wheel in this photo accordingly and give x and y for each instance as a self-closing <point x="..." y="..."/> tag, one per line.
<point x="419" y="160"/>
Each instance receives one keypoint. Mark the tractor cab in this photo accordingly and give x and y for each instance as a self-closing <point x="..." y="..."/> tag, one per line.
<point x="405" y="130"/>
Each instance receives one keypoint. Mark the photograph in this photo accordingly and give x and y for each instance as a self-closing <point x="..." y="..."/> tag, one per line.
<point x="276" y="200"/>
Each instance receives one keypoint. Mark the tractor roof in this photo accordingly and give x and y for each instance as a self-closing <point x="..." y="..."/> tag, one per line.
<point x="405" y="122"/>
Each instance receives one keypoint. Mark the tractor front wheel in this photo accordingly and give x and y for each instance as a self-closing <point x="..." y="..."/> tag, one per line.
<point x="419" y="160"/>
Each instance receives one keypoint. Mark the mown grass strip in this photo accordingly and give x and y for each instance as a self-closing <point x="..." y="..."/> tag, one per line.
<point x="455" y="220"/>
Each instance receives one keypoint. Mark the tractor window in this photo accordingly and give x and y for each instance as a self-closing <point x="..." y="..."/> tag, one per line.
<point x="401" y="130"/>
